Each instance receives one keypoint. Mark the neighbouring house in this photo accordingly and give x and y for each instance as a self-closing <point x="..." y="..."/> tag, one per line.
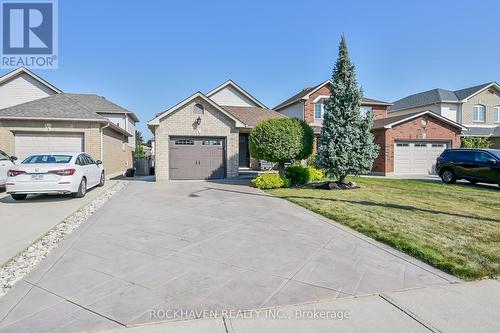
<point x="206" y="135"/>
<point x="477" y="108"/>
<point x="308" y="106"/>
<point x="37" y="117"/>
<point x="409" y="143"/>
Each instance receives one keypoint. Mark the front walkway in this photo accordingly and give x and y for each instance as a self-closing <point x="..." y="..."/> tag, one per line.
<point x="200" y="245"/>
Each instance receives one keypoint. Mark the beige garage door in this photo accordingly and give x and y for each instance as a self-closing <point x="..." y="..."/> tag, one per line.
<point x="32" y="143"/>
<point x="417" y="157"/>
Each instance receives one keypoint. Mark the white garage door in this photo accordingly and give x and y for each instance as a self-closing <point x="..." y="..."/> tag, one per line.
<point x="32" y="143"/>
<point x="417" y="157"/>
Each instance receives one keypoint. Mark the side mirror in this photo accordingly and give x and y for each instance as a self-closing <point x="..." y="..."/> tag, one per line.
<point x="492" y="161"/>
<point x="98" y="162"/>
<point x="13" y="158"/>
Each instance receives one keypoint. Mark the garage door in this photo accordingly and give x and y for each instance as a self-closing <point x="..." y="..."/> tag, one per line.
<point x="32" y="143"/>
<point x="196" y="158"/>
<point x="417" y="157"/>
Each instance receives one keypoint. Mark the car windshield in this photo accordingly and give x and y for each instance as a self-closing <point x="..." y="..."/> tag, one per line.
<point x="47" y="159"/>
<point x="3" y="156"/>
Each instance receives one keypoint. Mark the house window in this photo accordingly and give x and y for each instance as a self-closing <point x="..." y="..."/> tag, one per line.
<point x="479" y="114"/>
<point x="212" y="143"/>
<point x="184" y="142"/>
<point x="496" y="114"/>
<point x="420" y="145"/>
<point x="318" y="110"/>
<point x="198" y="109"/>
<point x="365" y="110"/>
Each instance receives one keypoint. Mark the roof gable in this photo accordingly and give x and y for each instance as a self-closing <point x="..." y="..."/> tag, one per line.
<point x="393" y="121"/>
<point x="231" y="94"/>
<point x="165" y="114"/>
<point x="22" y="70"/>
<point x="305" y="93"/>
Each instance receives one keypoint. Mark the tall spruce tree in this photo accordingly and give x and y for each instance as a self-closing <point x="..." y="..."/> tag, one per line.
<point x="346" y="144"/>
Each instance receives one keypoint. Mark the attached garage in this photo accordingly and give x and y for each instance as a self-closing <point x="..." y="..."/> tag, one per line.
<point x="197" y="158"/>
<point x="411" y="143"/>
<point x="32" y="143"/>
<point x="417" y="157"/>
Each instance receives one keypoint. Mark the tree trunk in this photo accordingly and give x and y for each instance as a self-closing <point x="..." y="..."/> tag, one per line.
<point x="342" y="179"/>
<point x="281" y="169"/>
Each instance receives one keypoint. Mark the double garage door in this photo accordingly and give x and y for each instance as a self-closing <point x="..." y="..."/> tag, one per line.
<point x="196" y="158"/>
<point x="33" y="143"/>
<point x="417" y="157"/>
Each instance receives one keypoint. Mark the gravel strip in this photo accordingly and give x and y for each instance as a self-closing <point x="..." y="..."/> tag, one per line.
<point x="16" y="268"/>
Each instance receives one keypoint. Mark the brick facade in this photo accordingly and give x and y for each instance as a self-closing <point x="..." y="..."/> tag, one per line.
<point x="116" y="156"/>
<point x="412" y="130"/>
<point x="180" y="122"/>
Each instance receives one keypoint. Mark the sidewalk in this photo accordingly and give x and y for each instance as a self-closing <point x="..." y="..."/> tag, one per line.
<point x="460" y="307"/>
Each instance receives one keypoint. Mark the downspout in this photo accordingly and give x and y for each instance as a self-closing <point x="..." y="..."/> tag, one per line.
<point x="102" y="142"/>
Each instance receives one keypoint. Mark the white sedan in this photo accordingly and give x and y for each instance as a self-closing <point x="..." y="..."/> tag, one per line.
<point x="6" y="163"/>
<point x="57" y="173"/>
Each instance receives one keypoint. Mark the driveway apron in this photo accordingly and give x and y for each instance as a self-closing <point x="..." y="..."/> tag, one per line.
<point x="161" y="251"/>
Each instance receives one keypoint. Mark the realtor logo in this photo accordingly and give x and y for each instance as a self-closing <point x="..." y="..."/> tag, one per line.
<point x="29" y="34"/>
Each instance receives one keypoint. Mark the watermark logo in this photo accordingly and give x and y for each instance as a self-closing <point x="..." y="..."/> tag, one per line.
<point x="29" y="34"/>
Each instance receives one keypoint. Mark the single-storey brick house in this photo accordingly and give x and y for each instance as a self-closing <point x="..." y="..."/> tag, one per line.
<point x="409" y="144"/>
<point x="206" y="135"/>
<point x="36" y="117"/>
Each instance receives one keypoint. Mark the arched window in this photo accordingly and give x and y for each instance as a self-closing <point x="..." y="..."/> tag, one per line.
<point x="496" y="114"/>
<point x="479" y="113"/>
<point x="198" y="108"/>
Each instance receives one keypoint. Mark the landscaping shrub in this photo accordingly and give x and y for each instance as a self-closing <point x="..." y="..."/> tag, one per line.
<point x="476" y="142"/>
<point x="315" y="174"/>
<point x="300" y="175"/>
<point x="311" y="160"/>
<point x="297" y="174"/>
<point x="270" y="180"/>
<point x="281" y="140"/>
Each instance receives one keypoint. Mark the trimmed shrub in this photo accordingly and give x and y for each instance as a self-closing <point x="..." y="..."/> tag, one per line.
<point x="315" y="174"/>
<point x="270" y="180"/>
<point x="281" y="140"/>
<point x="297" y="174"/>
<point x="311" y="160"/>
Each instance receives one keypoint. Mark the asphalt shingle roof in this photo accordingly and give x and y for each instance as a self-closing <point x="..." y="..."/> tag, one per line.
<point x="59" y="106"/>
<point x="66" y="106"/>
<point x="251" y="116"/>
<point x="483" y="131"/>
<point x="435" y="96"/>
<point x="297" y="97"/>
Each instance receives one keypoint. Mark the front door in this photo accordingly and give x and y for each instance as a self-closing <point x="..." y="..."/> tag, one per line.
<point x="196" y="158"/>
<point x="244" y="152"/>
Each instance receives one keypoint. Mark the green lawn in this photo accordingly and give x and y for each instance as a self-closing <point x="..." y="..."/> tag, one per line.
<point x="455" y="228"/>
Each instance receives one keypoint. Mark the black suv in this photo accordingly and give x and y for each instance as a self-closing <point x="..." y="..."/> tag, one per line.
<point x="474" y="165"/>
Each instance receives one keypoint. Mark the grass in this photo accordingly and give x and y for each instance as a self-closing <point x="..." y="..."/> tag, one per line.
<point x="455" y="228"/>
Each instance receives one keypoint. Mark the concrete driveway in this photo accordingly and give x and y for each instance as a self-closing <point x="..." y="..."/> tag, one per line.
<point x="23" y="222"/>
<point x="158" y="247"/>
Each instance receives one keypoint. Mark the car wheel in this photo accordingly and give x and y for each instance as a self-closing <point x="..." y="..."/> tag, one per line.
<point x="448" y="176"/>
<point x="18" y="197"/>
<point x="82" y="189"/>
<point x="103" y="180"/>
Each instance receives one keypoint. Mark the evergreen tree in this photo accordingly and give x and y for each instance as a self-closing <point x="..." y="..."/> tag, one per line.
<point x="346" y="144"/>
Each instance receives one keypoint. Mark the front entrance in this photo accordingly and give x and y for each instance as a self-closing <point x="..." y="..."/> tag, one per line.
<point x="244" y="153"/>
<point x="417" y="157"/>
<point x="196" y="158"/>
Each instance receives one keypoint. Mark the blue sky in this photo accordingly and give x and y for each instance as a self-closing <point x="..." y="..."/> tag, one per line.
<point x="149" y="55"/>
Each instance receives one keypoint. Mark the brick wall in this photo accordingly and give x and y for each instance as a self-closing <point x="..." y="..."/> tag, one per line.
<point x="90" y="130"/>
<point x="117" y="153"/>
<point x="181" y="123"/>
<point x="379" y="112"/>
<point x="412" y="130"/>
